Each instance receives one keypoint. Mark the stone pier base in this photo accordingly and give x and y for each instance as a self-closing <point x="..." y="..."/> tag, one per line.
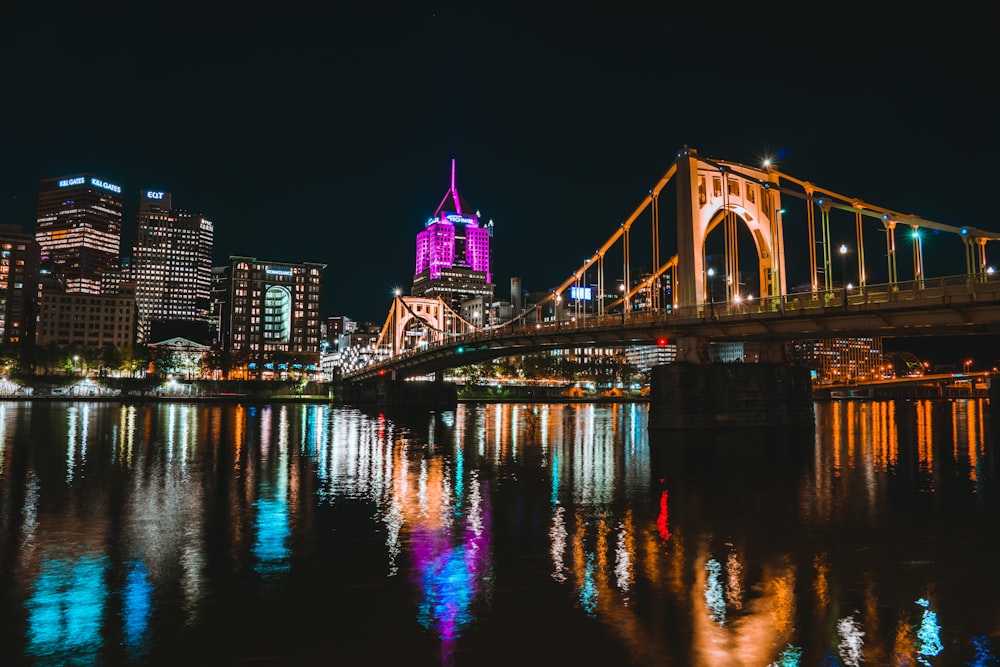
<point x="706" y="396"/>
<point x="401" y="394"/>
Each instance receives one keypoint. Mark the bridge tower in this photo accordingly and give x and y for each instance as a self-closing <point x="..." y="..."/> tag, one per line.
<point x="710" y="193"/>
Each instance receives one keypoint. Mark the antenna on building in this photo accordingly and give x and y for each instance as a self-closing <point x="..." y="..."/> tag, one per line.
<point x="454" y="191"/>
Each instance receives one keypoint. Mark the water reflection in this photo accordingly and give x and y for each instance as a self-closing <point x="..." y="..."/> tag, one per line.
<point x="129" y="531"/>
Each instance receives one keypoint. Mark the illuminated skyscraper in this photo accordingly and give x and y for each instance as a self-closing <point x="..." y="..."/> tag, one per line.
<point x="271" y="318"/>
<point x="79" y="228"/>
<point x="171" y="263"/>
<point x="453" y="253"/>
<point x="19" y="257"/>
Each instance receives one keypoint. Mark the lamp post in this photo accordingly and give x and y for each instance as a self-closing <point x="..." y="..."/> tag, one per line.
<point x="76" y="364"/>
<point x="843" y="271"/>
<point x="621" y="288"/>
<point x="711" y="291"/>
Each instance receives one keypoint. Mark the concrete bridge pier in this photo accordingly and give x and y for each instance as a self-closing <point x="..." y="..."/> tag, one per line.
<point x="694" y="393"/>
<point x="393" y="393"/>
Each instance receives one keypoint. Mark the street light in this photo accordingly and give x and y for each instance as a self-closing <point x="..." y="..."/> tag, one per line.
<point x="76" y="363"/>
<point x="967" y="365"/>
<point x="843" y="271"/>
<point x="711" y="291"/>
<point x="621" y="288"/>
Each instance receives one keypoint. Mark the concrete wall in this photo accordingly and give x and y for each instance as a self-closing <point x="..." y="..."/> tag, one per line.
<point x="705" y="396"/>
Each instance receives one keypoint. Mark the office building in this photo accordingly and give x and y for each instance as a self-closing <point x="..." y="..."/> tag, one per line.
<point x="19" y="262"/>
<point x="79" y="227"/>
<point x="841" y="360"/>
<point x="86" y="320"/>
<point x="271" y="324"/>
<point x="453" y="253"/>
<point x="171" y="265"/>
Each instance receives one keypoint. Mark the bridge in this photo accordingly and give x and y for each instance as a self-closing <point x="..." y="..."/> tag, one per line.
<point x="729" y="279"/>
<point x="687" y="301"/>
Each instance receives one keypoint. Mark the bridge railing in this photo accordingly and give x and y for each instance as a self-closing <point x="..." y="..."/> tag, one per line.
<point x="947" y="290"/>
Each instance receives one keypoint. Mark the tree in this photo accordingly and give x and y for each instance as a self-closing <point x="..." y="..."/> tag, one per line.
<point x="111" y="359"/>
<point x="166" y="362"/>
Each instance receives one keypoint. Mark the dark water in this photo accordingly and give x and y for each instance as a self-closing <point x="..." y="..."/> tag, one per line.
<point x="189" y="534"/>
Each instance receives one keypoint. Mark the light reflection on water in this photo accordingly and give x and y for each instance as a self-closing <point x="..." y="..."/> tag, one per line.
<point x="131" y="532"/>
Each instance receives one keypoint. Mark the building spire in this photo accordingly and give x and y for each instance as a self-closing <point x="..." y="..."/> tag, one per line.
<point x="452" y="194"/>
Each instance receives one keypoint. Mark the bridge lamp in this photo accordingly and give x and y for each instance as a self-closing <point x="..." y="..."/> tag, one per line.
<point x="843" y="269"/>
<point x="621" y="289"/>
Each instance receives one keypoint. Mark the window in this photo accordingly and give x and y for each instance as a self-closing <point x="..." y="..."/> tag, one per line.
<point x="716" y="186"/>
<point x="734" y="187"/>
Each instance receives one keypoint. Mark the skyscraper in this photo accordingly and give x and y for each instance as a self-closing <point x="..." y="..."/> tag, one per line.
<point x="453" y="253"/>
<point x="271" y="319"/>
<point x="171" y="263"/>
<point x="79" y="227"/>
<point x="19" y="257"/>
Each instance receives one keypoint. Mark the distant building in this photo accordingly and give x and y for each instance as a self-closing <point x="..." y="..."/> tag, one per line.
<point x="841" y="360"/>
<point x="184" y="356"/>
<point x="218" y="303"/>
<point x="645" y="357"/>
<point x="480" y="312"/>
<point x="339" y="326"/>
<point x="453" y="253"/>
<point x="87" y="320"/>
<point x="271" y="322"/>
<point x="79" y="228"/>
<point x="19" y="261"/>
<point x="172" y="266"/>
<point x="734" y="352"/>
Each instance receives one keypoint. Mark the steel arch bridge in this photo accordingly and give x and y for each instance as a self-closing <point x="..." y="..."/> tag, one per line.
<point x="678" y="295"/>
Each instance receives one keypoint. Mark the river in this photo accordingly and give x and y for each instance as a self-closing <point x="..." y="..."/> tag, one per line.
<point x="532" y="534"/>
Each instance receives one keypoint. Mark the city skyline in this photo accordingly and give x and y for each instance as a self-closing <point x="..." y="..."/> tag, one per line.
<point x="559" y="126"/>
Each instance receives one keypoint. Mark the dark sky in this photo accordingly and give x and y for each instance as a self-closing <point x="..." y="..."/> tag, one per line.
<point x="324" y="132"/>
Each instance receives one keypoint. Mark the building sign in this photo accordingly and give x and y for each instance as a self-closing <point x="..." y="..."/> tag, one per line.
<point x="454" y="217"/>
<point x="98" y="183"/>
<point x="151" y="194"/>
<point x="271" y="271"/>
<point x="70" y="182"/>
<point x="581" y="293"/>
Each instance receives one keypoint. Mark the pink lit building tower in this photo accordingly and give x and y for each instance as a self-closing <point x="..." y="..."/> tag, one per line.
<point x="453" y="253"/>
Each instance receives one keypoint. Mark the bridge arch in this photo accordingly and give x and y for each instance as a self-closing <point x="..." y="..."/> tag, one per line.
<point x="416" y="322"/>
<point x="710" y="193"/>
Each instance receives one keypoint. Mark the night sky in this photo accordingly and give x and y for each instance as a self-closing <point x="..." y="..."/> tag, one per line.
<point x="325" y="133"/>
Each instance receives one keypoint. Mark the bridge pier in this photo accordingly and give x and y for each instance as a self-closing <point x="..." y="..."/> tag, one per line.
<point x="393" y="393"/>
<point x="688" y="396"/>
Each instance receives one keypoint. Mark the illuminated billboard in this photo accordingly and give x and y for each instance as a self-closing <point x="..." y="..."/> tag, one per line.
<point x="581" y="293"/>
